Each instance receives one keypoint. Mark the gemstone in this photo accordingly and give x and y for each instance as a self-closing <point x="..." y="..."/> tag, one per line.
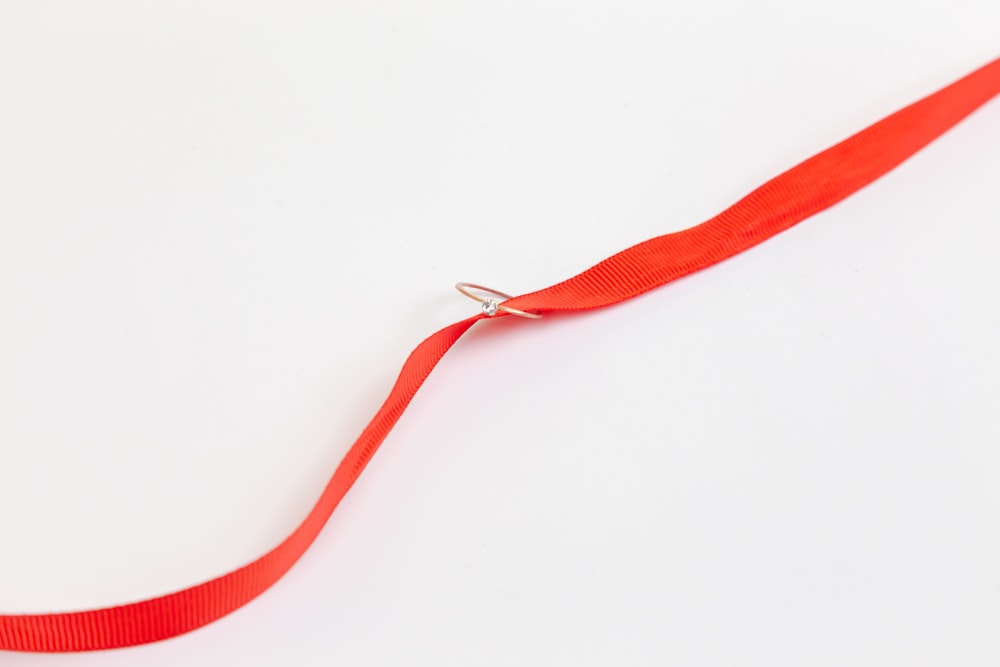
<point x="490" y="307"/>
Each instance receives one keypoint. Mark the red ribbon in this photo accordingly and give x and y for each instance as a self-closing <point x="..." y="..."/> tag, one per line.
<point x="780" y="203"/>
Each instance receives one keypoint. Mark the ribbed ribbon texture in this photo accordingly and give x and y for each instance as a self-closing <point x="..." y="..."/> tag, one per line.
<point x="780" y="203"/>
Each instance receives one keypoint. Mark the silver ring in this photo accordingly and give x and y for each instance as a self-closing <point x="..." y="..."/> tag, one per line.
<point x="491" y="306"/>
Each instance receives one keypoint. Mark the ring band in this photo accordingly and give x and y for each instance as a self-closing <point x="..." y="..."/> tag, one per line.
<point x="491" y="306"/>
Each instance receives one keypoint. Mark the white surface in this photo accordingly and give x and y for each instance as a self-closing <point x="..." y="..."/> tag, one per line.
<point x="224" y="225"/>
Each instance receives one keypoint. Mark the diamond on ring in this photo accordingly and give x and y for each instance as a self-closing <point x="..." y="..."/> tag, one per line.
<point x="490" y="305"/>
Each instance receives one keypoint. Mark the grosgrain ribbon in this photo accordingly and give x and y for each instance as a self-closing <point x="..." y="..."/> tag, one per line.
<point x="780" y="203"/>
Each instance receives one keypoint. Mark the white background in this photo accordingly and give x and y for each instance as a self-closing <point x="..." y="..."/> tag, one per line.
<point x="223" y="225"/>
